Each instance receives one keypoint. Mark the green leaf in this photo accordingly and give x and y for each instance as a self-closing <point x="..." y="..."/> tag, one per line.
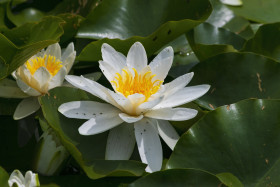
<point x="89" y="151"/>
<point x="237" y="76"/>
<point x="4" y="177"/>
<point x="266" y="41"/>
<point x="183" y="126"/>
<point x="207" y="41"/>
<point x="19" y="44"/>
<point x="224" y="17"/>
<point x="258" y="10"/>
<point x="229" y="179"/>
<point x="243" y="139"/>
<point x="74" y="7"/>
<point x="177" y="178"/>
<point x="82" y="180"/>
<point x="126" y="22"/>
<point x="70" y="27"/>
<point x="25" y="16"/>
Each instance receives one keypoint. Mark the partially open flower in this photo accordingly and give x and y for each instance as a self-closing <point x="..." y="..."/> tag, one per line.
<point x="17" y="179"/>
<point x="139" y="108"/>
<point x="40" y="73"/>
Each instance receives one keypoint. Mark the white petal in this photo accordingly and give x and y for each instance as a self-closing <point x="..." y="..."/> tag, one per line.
<point x="100" y="124"/>
<point x="90" y="86"/>
<point x="42" y="76"/>
<point x="26" y="107"/>
<point x="149" y="145"/>
<point x="136" y="98"/>
<point x="108" y="71"/>
<point x="68" y="57"/>
<point x="31" y="179"/>
<point x="178" y="83"/>
<point x="183" y="96"/>
<point x="100" y="91"/>
<point x="148" y="105"/>
<point x="114" y="58"/>
<point x="120" y="142"/>
<point x="162" y="63"/>
<point x="124" y="103"/>
<point x="87" y="109"/>
<point x="130" y="119"/>
<point x="16" y="178"/>
<point x="70" y="61"/>
<point x="67" y="52"/>
<point x="27" y="89"/>
<point x="172" y="114"/>
<point x="78" y="82"/>
<point x="167" y="133"/>
<point x="58" y="79"/>
<point x="137" y="57"/>
<point x="54" y="50"/>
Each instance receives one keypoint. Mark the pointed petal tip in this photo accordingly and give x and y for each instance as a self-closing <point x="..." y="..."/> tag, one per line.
<point x="169" y="49"/>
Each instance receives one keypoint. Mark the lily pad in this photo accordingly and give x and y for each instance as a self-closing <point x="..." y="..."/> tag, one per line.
<point x="237" y="76"/>
<point x="224" y="17"/>
<point x="207" y="40"/>
<point x="241" y="138"/>
<point x="258" y="10"/>
<point x="88" y="151"/>
<point x="121" y="23"/>
<point x="181" y="177"/>
<point x="3" y="178"/>
<point x="266" y="41"/>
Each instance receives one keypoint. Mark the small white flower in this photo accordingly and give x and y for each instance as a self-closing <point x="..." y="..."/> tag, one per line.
<point x="40" y="73"/>
<point x="139" y="108"/>
<point x="30" y="179"/>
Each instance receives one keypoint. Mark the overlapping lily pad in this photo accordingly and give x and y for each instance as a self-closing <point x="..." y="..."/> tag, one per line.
<point x="266" y="41"/>
<point x="241" y="138"/>
<point x="153" y="23"/>
<point x="258" y="10"/>
<point x="207" y="40"/>
<point x="89" y="151"/>
<point x="185" y="177"/>
<point x="237" y="76"/>
<point x="222" y="16"/>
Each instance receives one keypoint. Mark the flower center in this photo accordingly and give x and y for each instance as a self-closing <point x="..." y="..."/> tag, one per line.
<point x="49" y="62"/>
<point x="129" y="84"/>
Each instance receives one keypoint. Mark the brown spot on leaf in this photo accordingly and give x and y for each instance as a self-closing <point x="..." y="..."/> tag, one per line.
<point x="266" y="161"/>
<point x="211" y="106"/>
<point x="228" y="107"/>
<point x="259" y="82"/>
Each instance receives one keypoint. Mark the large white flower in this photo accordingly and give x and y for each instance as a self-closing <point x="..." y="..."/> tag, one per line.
<point x="17" y="179"/>
<point x="40" y="73"/>
<point x="139" y="108"/>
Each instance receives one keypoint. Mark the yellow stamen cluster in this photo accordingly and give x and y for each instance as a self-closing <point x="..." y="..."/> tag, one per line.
<point x="49" y="62"/>
<point x="129" y="84"/>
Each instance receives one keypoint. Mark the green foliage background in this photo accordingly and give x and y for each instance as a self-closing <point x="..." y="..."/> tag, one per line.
<point x="233" y="141"/>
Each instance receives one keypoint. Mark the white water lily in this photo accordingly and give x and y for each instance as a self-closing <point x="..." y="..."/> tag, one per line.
<point x="42" y="72"/>
<point x="30" y="180"/>
<point x="139" y="107"/>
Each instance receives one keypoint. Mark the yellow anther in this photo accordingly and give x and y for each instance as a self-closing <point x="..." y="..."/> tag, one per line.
<point x="128" y="84"/>
<point x="49" y="62"/>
